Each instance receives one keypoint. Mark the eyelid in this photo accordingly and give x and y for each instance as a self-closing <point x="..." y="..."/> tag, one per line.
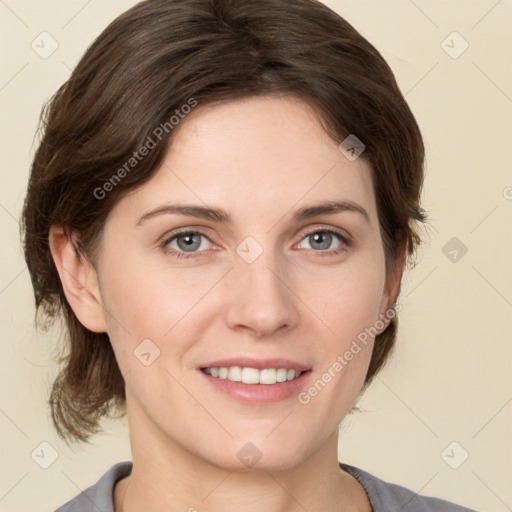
<point x="345" y="239"/>
<point x="331" y="229"/>
<point x="169" y="237"/>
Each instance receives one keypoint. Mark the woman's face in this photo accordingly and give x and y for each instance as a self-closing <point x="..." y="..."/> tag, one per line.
<point x="265" y="282"/>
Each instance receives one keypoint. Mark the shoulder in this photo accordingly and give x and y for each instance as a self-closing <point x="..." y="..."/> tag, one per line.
<point x="100" y="495"/>
<point x="383" y="495"/>
<point x="386" y="496"/>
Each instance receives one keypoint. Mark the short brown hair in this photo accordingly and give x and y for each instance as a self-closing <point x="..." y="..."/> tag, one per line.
<point x="148" y="63"/>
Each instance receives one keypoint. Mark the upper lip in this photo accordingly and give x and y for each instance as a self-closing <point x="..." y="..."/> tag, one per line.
<point x="259" y="364"/>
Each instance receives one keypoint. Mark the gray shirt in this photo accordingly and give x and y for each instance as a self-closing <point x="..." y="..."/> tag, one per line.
<point x="384" y="496"/>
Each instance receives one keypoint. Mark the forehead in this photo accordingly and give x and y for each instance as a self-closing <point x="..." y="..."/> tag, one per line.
<point x="259" y="155"/>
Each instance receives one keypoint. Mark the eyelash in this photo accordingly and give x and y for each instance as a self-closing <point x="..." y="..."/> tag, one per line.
<point x="345" y="242"/>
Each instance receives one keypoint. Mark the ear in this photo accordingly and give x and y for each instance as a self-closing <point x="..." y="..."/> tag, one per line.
<point x="78" y="278"/>
<point x="392" y="288"/>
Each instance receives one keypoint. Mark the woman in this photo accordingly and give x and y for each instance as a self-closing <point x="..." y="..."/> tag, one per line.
<point x="221" y="208"/>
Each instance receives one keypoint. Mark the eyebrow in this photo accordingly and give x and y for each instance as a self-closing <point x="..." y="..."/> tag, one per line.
<point x="220" y="215"/>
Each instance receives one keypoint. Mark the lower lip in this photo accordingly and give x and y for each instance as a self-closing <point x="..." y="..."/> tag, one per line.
<point x="258" y="393"/>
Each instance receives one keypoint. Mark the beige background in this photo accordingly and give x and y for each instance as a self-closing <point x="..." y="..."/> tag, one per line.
<point x="451" y="376"/>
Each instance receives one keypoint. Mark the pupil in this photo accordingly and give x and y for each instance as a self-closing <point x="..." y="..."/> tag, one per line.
<point x="321" y="237"/>
<point x="190" y="242"/>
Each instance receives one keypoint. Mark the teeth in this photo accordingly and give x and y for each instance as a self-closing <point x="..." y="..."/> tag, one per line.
<point x="250" y="376"/>
<point x="253" y="375"/>
<point x="281" y="375"/>
<point x="268" y="376"/>
<point x="235" y="374"/>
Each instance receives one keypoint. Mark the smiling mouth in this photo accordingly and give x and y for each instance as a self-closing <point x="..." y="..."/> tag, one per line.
<point x="249" y="375"/>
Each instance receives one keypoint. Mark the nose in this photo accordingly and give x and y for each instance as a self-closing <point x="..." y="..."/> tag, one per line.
<point x="260" y="300"/>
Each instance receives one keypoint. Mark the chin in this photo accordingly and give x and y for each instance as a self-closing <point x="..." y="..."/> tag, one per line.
<point x="256" y="455"/>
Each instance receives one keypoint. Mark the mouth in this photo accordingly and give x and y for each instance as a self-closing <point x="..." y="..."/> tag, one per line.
<point x="257" y="381"/>
<point x="248" y="375"/>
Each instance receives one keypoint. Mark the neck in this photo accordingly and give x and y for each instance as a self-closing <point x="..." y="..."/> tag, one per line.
<point x="166" y="477"/>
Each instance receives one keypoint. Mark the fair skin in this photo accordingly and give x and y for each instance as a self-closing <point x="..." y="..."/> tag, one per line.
<point x="261" y="160"/>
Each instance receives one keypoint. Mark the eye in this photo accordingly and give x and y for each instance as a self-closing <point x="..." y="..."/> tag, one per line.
<point x="186" y="243"/>
<point x="322" y="240"/>
<point x="189" y="244"/>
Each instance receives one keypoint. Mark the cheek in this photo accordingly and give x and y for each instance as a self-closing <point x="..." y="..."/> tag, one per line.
<point x="349" y="307"/>
<point x="350" y="300"/>
<point x="149" y="301"/>
<point x="138" y="295"/>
